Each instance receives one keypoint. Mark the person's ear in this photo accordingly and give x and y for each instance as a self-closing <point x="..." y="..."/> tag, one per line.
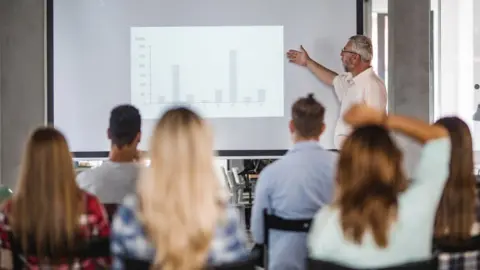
<point x="323" y="129"/>
<point x="291" y="126"/>
<point x="138" y="138"/>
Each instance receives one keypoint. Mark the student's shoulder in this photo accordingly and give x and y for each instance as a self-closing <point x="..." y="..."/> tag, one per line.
<point x="274" y="168"/>
<point x="126" y="212"/>
<point x="90" y="174"/>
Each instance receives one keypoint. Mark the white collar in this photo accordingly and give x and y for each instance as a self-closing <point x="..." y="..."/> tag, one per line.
<point x="362" y="75"/>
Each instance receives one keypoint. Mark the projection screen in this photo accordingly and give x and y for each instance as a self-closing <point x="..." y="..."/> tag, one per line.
<point x="224" y="59"/>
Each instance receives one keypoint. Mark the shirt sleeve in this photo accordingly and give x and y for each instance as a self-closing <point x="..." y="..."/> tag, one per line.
<point x="230" y="242"/>
<point x="100" y="224"/>
<point x="122" y="231"/>
<point x="429" y="178"/>
<point x="340" y="85"/>
<point x="375" y="96"/>
<point x="4" y="226"/>
<point x="262" y="194"/>
<point x="82" y="181"/>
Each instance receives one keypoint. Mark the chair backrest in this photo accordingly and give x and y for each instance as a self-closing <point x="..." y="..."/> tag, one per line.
<point x="93" y="248"/>
<point x="278" y="223"/>
<point x="111" y="209"/>
<point x="225" y="178"/>
<point x="421" y="265"/>
<point x="248" y="264"/>
<point x="236" y="176"/>
<point x="231" y="180"/>
<point x="460" y="254"/>
<point x="444" y="246"/>
<point x="272" y="222"/>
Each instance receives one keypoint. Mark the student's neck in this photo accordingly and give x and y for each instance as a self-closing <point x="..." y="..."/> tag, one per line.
<point x="126" y="154"/>
<point x="301" y="139"/>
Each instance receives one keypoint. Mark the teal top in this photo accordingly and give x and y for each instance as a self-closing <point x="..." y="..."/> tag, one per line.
<point x="410" y="237"/>
<point x="5" y="193"/>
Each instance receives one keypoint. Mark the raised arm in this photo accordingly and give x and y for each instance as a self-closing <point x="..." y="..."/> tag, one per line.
<point x="421" y="131"/>
<point x="303" y="59"/>
<point x="416" y="129"/>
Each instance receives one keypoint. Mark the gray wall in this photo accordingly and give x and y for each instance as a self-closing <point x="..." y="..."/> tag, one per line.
<point x="409" y="66"/>
<point x="22" y="79"/>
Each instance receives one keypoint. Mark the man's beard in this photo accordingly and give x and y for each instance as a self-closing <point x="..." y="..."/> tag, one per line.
<point x="345" y="67"/>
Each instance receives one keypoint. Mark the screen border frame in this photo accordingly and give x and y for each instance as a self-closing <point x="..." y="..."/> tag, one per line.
<point x="104" y="154"/>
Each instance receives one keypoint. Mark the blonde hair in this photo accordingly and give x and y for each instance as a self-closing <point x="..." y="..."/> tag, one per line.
<point x="179" y="192"/>
<point x="47" y="204"/>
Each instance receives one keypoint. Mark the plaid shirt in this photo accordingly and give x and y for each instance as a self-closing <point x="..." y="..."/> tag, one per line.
<point x="463" y="260"/>
<point x="129" y="240"/>
<point x="93" y="223"/>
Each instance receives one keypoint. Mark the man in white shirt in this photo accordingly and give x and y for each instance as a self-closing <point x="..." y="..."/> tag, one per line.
<point x="117" y="176"/>
<point x="359" y="84"/>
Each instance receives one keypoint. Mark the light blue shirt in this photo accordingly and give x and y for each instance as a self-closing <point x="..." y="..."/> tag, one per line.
<point x="410" y="237"/>
<point x="294" y="187"/>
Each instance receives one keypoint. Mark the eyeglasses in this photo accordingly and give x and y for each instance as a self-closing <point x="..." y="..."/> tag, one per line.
<point x="347" y="51"/>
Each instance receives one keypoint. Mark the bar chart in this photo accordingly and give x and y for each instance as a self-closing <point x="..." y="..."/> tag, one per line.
<point x="219" y="71"/>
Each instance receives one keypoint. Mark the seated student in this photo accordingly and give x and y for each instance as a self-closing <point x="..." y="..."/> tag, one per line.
<point x="178" y="218"/>
<point x="295" y="186"/>
<point x="375" y="220"/>
<point x="117" y="177"/>
<point x="457" y="215"/>
<point x="49" y="207"/>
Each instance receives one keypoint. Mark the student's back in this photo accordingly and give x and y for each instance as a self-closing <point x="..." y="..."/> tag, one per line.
<point x="378" y="219"/>
<point x="111" y="181"/>
<point x="116" y="177"/>
<point x="295" y="187"/>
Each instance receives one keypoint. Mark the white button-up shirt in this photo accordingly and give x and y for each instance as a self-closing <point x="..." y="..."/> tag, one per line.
<point x="365" y="88"/>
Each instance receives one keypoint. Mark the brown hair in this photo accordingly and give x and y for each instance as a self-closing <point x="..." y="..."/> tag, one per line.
<point x="456" y="210"/>
<point x="369" y="178"/>
<point x="47" y="204"/>
<point x="307" y="116"/>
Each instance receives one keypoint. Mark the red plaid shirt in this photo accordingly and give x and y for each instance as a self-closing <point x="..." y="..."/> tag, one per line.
<point x="93" y="223"/>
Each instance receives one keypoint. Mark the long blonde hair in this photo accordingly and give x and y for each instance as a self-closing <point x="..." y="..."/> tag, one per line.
<point x="47" y="204"/>
<point x="179" y="193"/>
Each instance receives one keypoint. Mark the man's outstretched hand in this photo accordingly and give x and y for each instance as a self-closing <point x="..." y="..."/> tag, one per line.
<point x="298" y="57"/>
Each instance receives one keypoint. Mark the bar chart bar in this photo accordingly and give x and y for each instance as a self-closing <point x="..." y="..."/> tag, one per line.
<point x="161" y="100"/>
<point x="190" y="99"/>
<point x="176" y="83"/>
<point x="247" y="100"/>
<point x="218" y="96"/>
<point x="233" y="76"/>
<point x="261" y="95"/>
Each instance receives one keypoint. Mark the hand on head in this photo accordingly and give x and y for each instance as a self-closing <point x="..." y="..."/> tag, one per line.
<point x="361" y="115"/>
<point x="298" y="57"/>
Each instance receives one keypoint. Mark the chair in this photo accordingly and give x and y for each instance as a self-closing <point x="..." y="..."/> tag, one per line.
<point x="446" y="252"/>
<point x="93" y="248"/>
<point x="272" y="222"/>
<point x="323" y="265"/>
<point x="248" y="264"/>
<point x="111" y="209"/>
<point x="237" y="188"/>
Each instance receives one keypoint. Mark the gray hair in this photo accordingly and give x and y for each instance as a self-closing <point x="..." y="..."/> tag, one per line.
<point x="362" y="45"/>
